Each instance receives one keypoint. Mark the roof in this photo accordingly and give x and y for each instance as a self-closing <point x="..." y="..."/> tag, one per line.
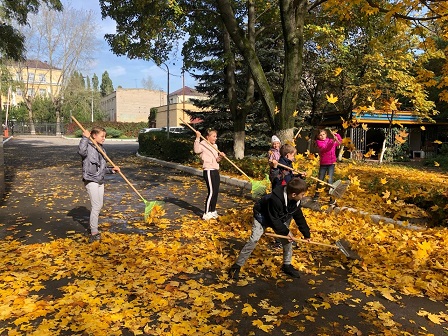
<point x="188" y="91"/>
<point x="36" y="64"/>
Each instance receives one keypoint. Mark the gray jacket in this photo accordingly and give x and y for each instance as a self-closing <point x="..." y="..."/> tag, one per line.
<point x="94" y="165"/>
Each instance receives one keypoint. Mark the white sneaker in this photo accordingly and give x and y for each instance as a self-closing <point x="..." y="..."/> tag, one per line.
<point x="207" y="216"/>
<point x="214" y="214"/>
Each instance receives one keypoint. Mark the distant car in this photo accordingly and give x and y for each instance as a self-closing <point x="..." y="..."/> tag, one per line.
<point x="175" y="129"/>
<point x="146" y="130"/>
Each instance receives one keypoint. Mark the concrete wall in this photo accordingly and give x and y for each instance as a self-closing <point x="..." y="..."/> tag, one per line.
<point x="176" y="112"/>
<point x="131" y="105"/>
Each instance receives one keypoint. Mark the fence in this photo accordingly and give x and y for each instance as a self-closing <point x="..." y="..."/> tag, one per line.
<point x="18" y="128"/>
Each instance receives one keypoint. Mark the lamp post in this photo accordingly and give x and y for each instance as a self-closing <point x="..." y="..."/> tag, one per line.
<point x="168" y="103"/>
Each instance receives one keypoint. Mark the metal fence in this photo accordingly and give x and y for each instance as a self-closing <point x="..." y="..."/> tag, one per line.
<point x="40" y="128"/>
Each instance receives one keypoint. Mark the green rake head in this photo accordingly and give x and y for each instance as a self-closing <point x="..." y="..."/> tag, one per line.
<point x="259" y="188"/>
<point x="149" y="205"/>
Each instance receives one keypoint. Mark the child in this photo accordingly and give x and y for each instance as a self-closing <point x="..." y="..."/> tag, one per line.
<point x="280" y="175"/>
<point x="93" y="170"/>
<point x="210" y="163"/>
<point x="274" y="152"/>
<point x="327" y="152"/>
<point x="276" y="210"/>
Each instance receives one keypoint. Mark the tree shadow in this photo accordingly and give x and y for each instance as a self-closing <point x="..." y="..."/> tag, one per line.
<point x="182" y="204"/>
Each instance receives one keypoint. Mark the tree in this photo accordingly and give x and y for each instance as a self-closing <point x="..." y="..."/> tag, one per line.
<point x="106" y="86"/>
<point x="13" y="41"/>
<point x="65" y="40"/>
<point x="148" y="83"/>
<point x="95" y="83"/>
<point x="152" y="34"/>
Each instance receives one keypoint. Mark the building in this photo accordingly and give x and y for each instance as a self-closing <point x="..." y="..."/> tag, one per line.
<point x="179" y="101"/>
<point x="131" y="105"/>
<point x="32" y="78"/>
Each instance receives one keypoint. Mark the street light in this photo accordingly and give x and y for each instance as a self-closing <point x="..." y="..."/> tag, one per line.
<point x="168" y="103"/>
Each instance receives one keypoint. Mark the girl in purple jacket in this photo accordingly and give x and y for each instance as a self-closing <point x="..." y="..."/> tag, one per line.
<point x="327" y="142"/>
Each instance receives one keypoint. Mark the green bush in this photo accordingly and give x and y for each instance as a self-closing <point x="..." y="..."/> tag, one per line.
<point x="113" y="133"/>
<point x="128" y="130"/>
<point x="178" y="148"/>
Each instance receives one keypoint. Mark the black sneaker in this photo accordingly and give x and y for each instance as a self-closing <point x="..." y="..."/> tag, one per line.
<point x="290" y="270"/>
<point x="234" y="272"/>
<point x="95" y="237"/>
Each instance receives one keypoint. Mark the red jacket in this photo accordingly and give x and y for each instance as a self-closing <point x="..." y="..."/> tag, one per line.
<point x="327" y="150"/>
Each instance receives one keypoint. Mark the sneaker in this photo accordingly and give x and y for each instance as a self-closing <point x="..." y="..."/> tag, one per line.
<point x="207" y="216"/>
<point x="234" y="272"/>
<point x="332" y="202"/>
<point x="95" y="237"/>
<point x="290" y="270"/>
<point x="214" y="214"/>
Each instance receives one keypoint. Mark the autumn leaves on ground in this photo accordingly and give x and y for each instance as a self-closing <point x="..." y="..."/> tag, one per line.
<point x="171" y="278"/>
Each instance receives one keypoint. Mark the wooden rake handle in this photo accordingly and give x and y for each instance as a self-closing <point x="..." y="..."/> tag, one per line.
<point x="233" y="164"/>
<point x="311" y="177"/>
<point x="300" y="240"/>
<point x="108" y="159"/>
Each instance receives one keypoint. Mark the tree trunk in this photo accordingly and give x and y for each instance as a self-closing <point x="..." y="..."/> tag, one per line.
<point x="238" y="144"/>
<point x="292" y="13"/>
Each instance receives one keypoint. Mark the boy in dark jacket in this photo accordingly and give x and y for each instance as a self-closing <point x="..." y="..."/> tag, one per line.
<point x="276" y="210"/>
<point x="280" y="175"/>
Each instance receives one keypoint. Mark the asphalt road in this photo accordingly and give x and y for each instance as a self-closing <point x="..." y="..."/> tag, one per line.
<point x="44" y="190"/>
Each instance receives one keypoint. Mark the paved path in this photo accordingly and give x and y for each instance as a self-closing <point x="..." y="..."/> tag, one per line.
<point x="45" y="199"/>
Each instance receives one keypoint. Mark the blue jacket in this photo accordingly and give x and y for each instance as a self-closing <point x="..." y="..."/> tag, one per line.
<point x="94" y="165"/>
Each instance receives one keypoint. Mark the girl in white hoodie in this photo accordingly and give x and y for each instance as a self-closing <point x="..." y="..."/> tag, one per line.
<point x="210" y="163"/>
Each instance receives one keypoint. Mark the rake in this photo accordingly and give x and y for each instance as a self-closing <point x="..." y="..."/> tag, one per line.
<point x="342" y="245"/>
<point x="258" y="188"/>
<point x="337" y="189"/>
<point x="149" y="205"/>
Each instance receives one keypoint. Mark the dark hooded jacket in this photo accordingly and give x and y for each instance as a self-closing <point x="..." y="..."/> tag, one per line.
<point x="273" y="211"/>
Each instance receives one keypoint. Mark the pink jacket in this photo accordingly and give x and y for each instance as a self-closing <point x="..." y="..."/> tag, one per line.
<point x="208" y="155"/>
<point x="327" y="150"/>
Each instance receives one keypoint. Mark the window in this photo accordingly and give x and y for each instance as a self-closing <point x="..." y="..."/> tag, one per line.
<point x="31" y="77"/>
<point x="30" y="92"/>
<point x="19" y="76"/>
<point x="42" y="78"/>
<point x="42" y="92"/>
<point x="19" y="92"/>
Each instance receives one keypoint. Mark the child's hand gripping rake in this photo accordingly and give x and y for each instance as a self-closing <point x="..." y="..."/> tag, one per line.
<point x="148" y="204"/>
<point x="337" y="189"/>
<point x="342" y="245"/>
<point x="258" y="187"/>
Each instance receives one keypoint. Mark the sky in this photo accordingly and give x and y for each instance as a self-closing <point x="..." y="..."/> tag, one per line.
<point x="125" y="72"/>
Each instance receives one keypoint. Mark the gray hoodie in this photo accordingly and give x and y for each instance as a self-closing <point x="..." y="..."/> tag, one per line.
<point x="94" y="165"/>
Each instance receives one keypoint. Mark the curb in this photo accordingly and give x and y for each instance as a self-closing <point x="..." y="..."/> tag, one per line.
<point x="198" y="172"/>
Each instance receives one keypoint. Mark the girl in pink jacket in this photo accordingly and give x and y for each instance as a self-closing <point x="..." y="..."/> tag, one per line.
<point x="327" y="142"/>
<point x="210" y="156"/>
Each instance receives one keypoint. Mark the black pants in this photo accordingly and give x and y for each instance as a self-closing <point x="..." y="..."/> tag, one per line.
<point x="212" y="180"/>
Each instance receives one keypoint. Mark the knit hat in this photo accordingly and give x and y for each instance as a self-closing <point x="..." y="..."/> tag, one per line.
<point x="275" y="139"/>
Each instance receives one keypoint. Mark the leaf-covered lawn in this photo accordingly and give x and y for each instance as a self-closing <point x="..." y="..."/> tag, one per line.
<point x="172" y="280"/>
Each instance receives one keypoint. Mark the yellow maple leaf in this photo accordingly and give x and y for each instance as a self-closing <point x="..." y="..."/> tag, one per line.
<point x="422" y="128"/>
<point x="331" y="99"/>
<point x="337" y="71"/>
<point x="364" y="127"/>
<point x="259" y="324"/>
<point x="294" y="114"/>
<point x="383" y="180"/>
<point x="276" y="110"/>
<point x="403" y="133"/>
<point x="248" y="309"/>
<point x="436" y="164"/>
<point x="437" y="142"/>
<point x="399" y="139"/>
<point x="435" y="318"/>
<point x="386" y="194"/>
<point x="369" y="153"/>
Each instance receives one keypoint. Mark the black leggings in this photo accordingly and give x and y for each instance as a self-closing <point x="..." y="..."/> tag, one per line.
<point x="212" y="180"/>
